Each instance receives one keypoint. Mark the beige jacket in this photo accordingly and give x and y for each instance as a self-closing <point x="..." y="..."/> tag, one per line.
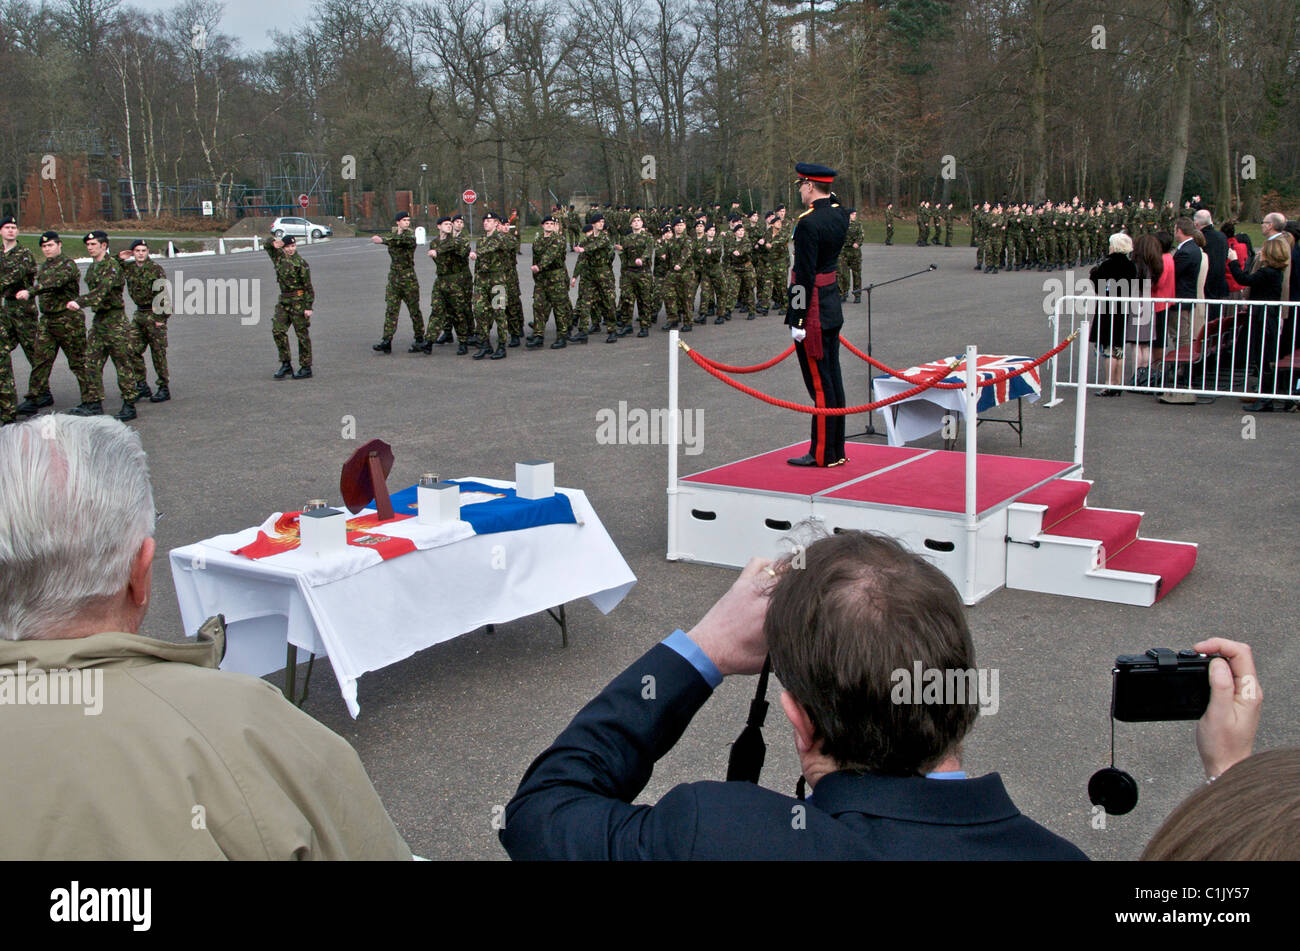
<point x="118" y="746"/>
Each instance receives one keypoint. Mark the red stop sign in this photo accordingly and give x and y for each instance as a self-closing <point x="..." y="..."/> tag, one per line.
<point x="469" y="196"/>
<point x="303" y="201"/>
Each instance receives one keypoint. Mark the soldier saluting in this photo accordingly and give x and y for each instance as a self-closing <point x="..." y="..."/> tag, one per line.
<point x="814" y="314"/>
<point x="403" y="285"/>
<point x="294" y="306"/>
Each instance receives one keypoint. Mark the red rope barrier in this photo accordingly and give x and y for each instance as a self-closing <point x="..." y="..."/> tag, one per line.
<point x="921" y="384"/>
<point x="813" y="410"/>
<point x="754" y="369"/>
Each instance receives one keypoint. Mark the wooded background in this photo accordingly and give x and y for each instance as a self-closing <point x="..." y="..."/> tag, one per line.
<point x="664" y="101"/>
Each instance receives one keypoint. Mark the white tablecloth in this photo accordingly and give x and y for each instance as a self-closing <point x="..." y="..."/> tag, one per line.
<point x="922" y="414"/>
<point x="390" y="611"/>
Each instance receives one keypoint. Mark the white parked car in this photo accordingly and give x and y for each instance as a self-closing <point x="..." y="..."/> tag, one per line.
<point x="300" y="228"/>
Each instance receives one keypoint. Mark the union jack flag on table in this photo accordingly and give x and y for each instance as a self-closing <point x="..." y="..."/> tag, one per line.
<point x="988" y="366"/>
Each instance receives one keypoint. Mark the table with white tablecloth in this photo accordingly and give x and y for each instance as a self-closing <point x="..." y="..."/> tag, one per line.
<point x="387" y="612"/>
<point x="924" y="413"/>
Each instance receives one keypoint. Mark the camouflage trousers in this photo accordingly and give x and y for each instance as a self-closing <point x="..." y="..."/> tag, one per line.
<point x="551" y="293"/>
<point x="514" y="306"/>
<point x="1049" y="249"/>
<point x="690" y="285"/>
<point x="889" y="232"/>
<point x="21" y="323"/>
<point x="779" y="280"/>
<point x="403" y="288"/>
<point x="66" y="332"/>
<point x="491" y="298"/>
<point x="288" y="314"/>
<point x="110" y="336"/>
<point x="742" y="281"/>
<point x="149" y="332"/>
<point x="712" y="289"/>
<point x="993" y="257"/>
<point x="451" y="305"/>
<point x="638" y="291"/>
<point x="596" y="293"/>
<point x="674" y="296"/>
<point x="8" y="392"/>
<point x="849" y="273"/>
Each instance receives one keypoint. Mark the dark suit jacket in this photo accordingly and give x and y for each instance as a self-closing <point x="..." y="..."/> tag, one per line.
<point x="1216" y="249"/>
<point x="575" y="800"/>
<point x="1187" y="268"/>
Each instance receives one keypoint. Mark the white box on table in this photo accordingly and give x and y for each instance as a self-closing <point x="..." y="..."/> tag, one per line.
<point x="438" y="503"/>
<point x="323" y="531"/>
<point x="535" y="479"/>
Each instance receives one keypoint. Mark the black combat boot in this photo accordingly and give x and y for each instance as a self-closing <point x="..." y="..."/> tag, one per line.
<point x="29" y="406"/>
<point x="514" y="340"/>
<point x="687" y="326"/>
<point x="535" y="343"/>
<point x="142" y="390"/>
<point x="624" y="329"/>
<point x="643" y="332"/>
<point x="461" y="349"/>
<point x="384" y="346"/>
<point x="857" y="297"/>
<point x="87" y="409"/>
<point x="443" y="338"/>
<point x="485" y="349"/>
<point x="285" y="369"/>
<point x="304" y="373"/>
<point x="613" y="337"/>
<point x="161" y="395"/>
<point x="501" y="352"/>
<point x="126" y="412"/>
<point x="418" y="347"/>
<point x="560" y="343"/>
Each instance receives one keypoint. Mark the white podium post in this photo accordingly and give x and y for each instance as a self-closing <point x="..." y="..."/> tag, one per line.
<point x="673" y="423"/>
<point x="972" y="423"/>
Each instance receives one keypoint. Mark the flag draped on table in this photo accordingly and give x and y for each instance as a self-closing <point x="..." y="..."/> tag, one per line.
<point x="1026" y="384"/>
<point x="492" y="509"/>
<point x="360" y="533"/>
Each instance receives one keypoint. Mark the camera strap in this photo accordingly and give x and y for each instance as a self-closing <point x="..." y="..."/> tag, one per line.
<point x="748" y="752"/>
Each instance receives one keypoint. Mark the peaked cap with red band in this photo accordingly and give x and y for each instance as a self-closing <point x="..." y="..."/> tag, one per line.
<point x="815" y="173"/>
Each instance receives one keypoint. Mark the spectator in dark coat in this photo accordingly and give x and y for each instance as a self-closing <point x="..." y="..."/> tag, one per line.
<point x="1258" y="338"/>
<point x="1116" y="276"/>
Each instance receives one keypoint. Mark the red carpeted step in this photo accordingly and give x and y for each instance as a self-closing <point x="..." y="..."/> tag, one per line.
<point x="1062" y="497"/>
<point x="1170" y="560"/>
<point x="1115" y="530"/>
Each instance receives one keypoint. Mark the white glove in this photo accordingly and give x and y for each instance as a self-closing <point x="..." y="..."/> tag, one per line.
<point x="797" y="334"/>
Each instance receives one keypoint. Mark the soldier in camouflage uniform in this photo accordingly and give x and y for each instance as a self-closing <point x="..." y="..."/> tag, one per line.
<point x="637" y="289"/>
<point x="674" y="260"/>
<point x="712" y="286"/>
<point x="779" y="263"/>
<point x="294" y="307"/>
<point x="948" y="215"/>
<point x="17" y="270"/>
<point x="923" y="224"/>
<point x="146" y="284"/>
<point x="997" y="234"/>
<point x="550" y="287"/>
<point x="742" y="269"/>
<point x="773" y="251"/>
<point x="597" y="251"/>
<point x="582" y="310"/>
<point x="889" y="224"/>
<point x="403" y="285"/>
<point x="56" y="283"/>
<point x="450" y="304"/>
<point x="494" y="258"/>
<point x="8" y="392"/>
<point x="110" y="333"/>
<point x="850" y="264"/>
<point x="514" y="297"/>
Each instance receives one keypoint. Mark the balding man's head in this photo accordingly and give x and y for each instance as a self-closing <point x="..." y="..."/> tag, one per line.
<point x="1274" y="222"/>
<point x="1202" y="219"/>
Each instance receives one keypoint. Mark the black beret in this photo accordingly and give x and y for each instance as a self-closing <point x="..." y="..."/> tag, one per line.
<point x="547" y="218"/>
<point x="289" y="239"/>
<point x="442" y="219"/>
<point x="596" y="217"/>
<point x="139" y="243"/>
<point x="491" y="216"/>
<point x="679" y="221"/>
<point x="8" y="220"/>
<point x="50" y="236"/>
<point x="458" y="217"/>
<point x="586" y="229"/>
<point x="400" y="215"/>
<point x="96" y="235"/>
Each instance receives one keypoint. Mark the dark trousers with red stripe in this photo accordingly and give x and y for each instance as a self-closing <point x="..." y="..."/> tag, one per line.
<point x="826" y="387"/>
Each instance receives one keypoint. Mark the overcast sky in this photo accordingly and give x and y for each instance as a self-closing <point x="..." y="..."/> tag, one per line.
<point x="249" y="21"/>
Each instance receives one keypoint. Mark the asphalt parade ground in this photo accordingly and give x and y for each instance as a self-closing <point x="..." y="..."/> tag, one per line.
<point x="447" y="734"/>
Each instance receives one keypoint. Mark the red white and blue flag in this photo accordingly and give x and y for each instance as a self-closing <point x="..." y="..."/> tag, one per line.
<point x="987" y="367"/>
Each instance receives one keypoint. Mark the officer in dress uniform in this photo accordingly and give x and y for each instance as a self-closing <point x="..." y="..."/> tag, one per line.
<point x="814" y="314"/>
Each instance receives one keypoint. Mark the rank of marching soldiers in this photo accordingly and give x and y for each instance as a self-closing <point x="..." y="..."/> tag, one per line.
<point x="210" y="297"/>
<point x="635" y="426"/>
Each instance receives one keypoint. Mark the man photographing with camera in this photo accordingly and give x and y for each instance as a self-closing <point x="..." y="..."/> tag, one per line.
<point x="885" y="777"/>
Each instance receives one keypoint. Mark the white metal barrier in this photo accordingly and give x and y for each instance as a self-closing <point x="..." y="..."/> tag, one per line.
<point x="1178" y="346"/>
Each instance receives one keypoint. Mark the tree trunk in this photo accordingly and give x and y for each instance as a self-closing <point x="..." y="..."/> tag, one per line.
<point x="1182" y="102"/>
<point x="1038" y="100"/>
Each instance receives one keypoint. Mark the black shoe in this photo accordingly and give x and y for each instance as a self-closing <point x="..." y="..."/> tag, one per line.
<point x="807" y="460"/>
<point x="712" y="311"/>
<point x="624" y="330"/>
<point x="161" y="395"/>
<point x="687" y="327"/>
<point x="1259" y="406"/>
<point x="643" y="332"/>
<point x="560" y="344"/>
<point x="126" y="412"/>
<point x="857" y="297"/>
<point x="87" y="409"/>
<point x="668" y="325"/>
<point x="443" y="338"/>
<point x="418" y="347"/>
<point x="384" y="346"/>
<point x="483" y="352"/>
<point x="29" y="406"/>
<point x="578" y="338"/>
<point x="500" y="354"/>
<point x="285" y="369"/>
<point x="461" y="349"/>
<point x="719" y="319"/>
<point x="1110" y="392"/>
<point x="978" y="268"/>
<point x="701" y="319"/>
<point x="142" y="390"/>
<point x="304" y="373"/>
<point x="535" y="343"/>
<point x="613" y="337"/>
<point x="888" y="243"/>
<point x="514" y="341"/>
<point x="749" y="316"/>
<point x="427" y="349"/>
